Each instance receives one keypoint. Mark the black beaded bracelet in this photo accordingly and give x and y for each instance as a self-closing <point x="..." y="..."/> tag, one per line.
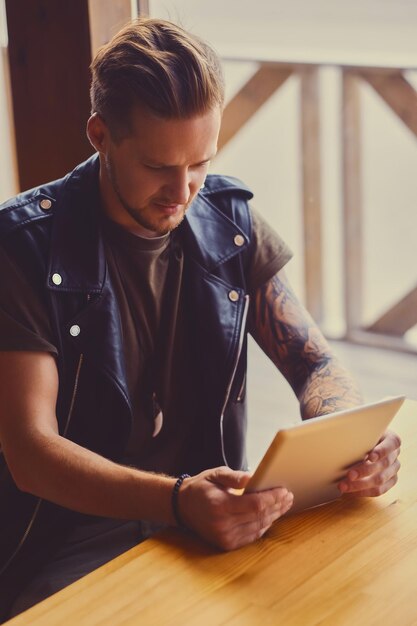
<point x="174" y="500"/>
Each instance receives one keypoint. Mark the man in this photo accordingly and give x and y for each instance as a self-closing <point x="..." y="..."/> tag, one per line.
<point x="127" y="291"/>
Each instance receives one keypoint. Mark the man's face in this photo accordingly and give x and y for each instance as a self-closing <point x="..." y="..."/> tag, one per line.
<point x="149" y="179"/>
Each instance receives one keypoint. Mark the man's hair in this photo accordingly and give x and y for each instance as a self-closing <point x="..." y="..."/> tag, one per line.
<point x="156" y="64"/>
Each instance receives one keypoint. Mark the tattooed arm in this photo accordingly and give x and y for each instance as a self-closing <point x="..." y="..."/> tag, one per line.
<point x="288" y="335"/>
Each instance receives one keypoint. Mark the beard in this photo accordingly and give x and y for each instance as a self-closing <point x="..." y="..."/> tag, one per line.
<point x="160" y="226"/>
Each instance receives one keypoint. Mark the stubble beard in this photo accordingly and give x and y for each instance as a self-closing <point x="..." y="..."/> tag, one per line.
<point x="137" y="214"/>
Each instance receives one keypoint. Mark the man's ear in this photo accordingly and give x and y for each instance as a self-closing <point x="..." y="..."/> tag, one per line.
<point x="98" y="133"/>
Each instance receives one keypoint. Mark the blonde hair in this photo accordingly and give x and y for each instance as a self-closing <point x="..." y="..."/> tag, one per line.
<point x="156" y="64"/>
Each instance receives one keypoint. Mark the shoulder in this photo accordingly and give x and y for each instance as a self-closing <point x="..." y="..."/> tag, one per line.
<point x="216" y="185"/>
<point x="40" y="203"/>
<point x="28" y="207"/>
<point x="230" y="196"/>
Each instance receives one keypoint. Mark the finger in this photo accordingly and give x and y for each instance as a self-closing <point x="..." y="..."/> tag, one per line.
<point x="388" y="443"/>
<point x="245" y="533"/>
<point x="252" y="531"/>
<point x="257" y="513"/>
<point x="374" y="482"/>
<point x="376" y="490"/>
<point x="225" y="477"/>
<point x="250" y="503"/>
<point x="368" y="468"/>
<point x="386" y="451"/>
<point x="262" y="524"/>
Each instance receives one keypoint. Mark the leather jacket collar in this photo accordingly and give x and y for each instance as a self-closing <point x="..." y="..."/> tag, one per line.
<point x="77" y="252"/>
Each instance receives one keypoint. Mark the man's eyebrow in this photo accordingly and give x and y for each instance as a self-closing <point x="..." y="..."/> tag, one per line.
<point x="210" y="158"/>
<point x="206" y="160"/>
<point x="158" y="164"/>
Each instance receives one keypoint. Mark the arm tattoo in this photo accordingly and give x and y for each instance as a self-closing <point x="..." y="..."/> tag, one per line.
<point x="288" y="335"/>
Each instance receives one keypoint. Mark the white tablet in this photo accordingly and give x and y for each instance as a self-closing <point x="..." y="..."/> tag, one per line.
<point x="310" y="458"/>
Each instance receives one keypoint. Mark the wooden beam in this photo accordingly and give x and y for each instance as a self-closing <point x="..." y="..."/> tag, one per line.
<point x="311" y="177"/>
<point x="49" y="55"/>
<point x="106" y="18"/>
<point x="143" y="7"/>
<point x="376" y="340"/>
<point x="259" y="88"/>
<point x="9" y="171"/>
<point x="397" y="93"/>
<point x="352" y="201"/>
<point x="399" y="318"/>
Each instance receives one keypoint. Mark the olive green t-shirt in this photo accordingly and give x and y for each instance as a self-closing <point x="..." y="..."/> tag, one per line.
<point x="147" y="278"/>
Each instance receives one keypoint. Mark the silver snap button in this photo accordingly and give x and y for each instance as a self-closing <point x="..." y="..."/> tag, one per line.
<point x="75" y="330"/>
<point x="233" y="295"/>
<point x="56" y="279"/>
<point x="45" y="204"/>
<point x="239" y="240"/>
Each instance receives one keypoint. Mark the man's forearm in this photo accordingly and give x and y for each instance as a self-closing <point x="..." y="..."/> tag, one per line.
<point x="51" y="467"/>
<point x="290" y="337"/>
<point x="328" y="388"/>
<point x="76" y="478"/>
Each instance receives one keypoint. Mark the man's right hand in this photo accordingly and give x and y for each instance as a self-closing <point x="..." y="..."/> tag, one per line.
<point x="208" y="506"/>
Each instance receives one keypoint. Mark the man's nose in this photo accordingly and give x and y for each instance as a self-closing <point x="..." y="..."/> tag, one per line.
<point x="179" y="187"/>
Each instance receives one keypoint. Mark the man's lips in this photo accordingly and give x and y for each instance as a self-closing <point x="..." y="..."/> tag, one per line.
<point x="168" y="209"/>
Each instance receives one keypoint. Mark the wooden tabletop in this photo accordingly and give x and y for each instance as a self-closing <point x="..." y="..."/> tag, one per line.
<point x="351" y="562"/>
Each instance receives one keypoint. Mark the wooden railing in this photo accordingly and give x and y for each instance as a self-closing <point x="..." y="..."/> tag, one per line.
<point x="397" y="92"/>
<point x="101" y="18"/>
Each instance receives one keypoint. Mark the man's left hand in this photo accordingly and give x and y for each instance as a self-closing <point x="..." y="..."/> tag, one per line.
<point x="378" y="472"/>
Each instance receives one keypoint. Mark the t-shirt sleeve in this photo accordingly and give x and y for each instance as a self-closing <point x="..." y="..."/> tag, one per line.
<point x="270" y="252"/>
<point x="24" y="323"/>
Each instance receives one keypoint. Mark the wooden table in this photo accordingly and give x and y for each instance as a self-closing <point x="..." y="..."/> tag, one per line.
<point x="350" y="562"/>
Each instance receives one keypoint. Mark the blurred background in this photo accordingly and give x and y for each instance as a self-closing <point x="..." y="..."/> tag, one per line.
<point x="320" y="122"/>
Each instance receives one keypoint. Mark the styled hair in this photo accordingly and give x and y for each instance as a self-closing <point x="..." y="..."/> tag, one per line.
<point x="156" y="64"/>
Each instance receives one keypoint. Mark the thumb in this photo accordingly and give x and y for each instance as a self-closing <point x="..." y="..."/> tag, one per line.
<point x="228" y="478"/>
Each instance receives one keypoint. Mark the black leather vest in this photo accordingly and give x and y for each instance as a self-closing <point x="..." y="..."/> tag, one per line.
<point x="52" y="233"/>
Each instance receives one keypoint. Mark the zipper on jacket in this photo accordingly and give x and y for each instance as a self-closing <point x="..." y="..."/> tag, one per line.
<point x="75" y="388"/>
<point x="74" y="393"/>
<point x="229" y="386"/>
<point x="241" y="390"/>
<point x="38" y="503"/>
<point x="23" y="538"/>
